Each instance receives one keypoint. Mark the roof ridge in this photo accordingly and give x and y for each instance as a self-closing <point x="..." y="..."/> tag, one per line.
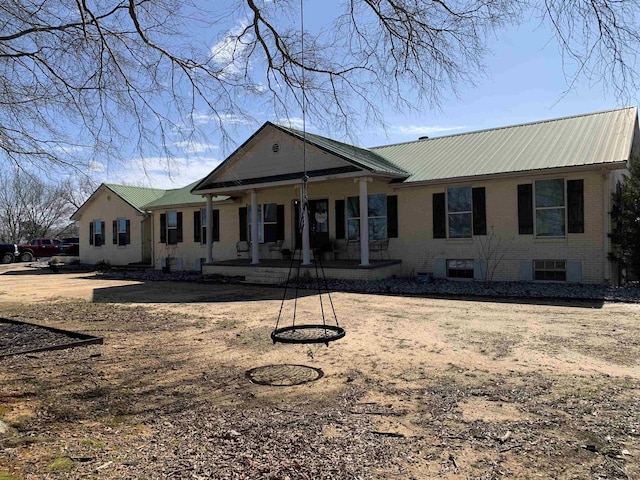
<point x="524" y="124"/>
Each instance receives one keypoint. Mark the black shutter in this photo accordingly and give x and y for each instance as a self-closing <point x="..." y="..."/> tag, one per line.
<point x="102" y="225"/>
<point x="339" y="219"/>
<point x="479" y="211"/>
<point x="216" y="226"/>
<point x="179" y="215"/>
<point x="280" y="220"/>
<point x="128" y="233"/>
<point x="392" y="216"/>
<point x="525" y="209"/>
<point x="163" y="228"/>
<point x="91" y="233"/>
<point x="439" y="216"/>
<point x="114" y="231"/>
<point x="242" y="214"/>
<point x="575" y="204"/>
<point x="197" y="226"/>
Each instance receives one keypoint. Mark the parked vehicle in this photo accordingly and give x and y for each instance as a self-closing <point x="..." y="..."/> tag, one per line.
<point x="8" y="252"/>
<point x="40" y="247"/>
<point x="70" y="246"/>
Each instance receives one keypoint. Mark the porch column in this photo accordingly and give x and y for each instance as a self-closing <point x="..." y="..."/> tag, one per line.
<point x="255" y="255"/>
<point x="364" y="222"/>
<point x="209" y="258"/>
<point x="306" y="219"/>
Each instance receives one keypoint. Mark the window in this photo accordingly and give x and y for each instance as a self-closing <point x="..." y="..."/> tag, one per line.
<point x="200" y="226"/>
<point x="553" y="207"/>
<point x="550" y="208"/>
<point x="459" y="213"/>
<point x="460" y="268"/>
<point x="377" y="212"/>
<point x="550" y="270"/>
<point x="121" y="232"/>
<point x="96" y="233"/>
<point x="171" y="227"/>
<point x="270" y="222"/>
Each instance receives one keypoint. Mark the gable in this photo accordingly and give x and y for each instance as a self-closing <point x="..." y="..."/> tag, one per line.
<point x="273" y="153"/>
<point x="105" y="204"/>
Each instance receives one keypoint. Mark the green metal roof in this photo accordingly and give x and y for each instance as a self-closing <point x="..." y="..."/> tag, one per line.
<point x="589" y="139"/>
<point x="179" y="196"/>
<point x="365" y="158"/>
<point x="137" y="197"/>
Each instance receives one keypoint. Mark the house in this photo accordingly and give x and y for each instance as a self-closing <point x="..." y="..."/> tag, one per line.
<point x="525" y="202"/>
<point x="180" y="228"/>
<point x="114" y="226"/>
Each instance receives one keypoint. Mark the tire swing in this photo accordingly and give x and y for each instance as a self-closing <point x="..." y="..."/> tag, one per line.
<point x="308" y="333"/>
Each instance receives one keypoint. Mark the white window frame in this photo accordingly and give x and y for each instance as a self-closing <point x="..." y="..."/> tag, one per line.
<point x="97" y="230"/>
<point x="550" y="266"/>
<point x="383" y="234"/>
<point x="172" y="228"/>
<point x="121" y="229"/>
<point x="562" y="208"/>
<point x="465" y="264"/>
<point x="459" y="213"/>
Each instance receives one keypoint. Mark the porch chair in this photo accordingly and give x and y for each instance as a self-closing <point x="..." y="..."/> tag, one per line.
<point x="380" y="246"/>
<point x="242" y="247"/>
<point x="354" y="245"/>
<point x="275" y="247"/>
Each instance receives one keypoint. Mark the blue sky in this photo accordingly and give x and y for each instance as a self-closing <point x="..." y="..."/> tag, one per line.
<point x="524" y="81"/>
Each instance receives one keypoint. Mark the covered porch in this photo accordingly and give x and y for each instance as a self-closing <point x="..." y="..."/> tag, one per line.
<point x="275" y="271"/>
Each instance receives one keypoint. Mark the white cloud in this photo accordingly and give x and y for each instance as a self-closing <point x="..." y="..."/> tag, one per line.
<point x="418" y="130"/>
<point x="195" y="147"/>
<point x="158" y="172"/>
<point x="227" y="52"/>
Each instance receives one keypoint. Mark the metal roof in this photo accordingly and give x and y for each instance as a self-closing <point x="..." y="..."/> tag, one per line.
<point x="137" y="197"/>
<point x="589" y="139"/>
<point x="179" y="196"/>
<point x="367" y="159"/>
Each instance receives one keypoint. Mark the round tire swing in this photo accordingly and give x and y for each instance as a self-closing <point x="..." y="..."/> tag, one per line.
<point x="308" y="333"/>
<point x="313" y="333"/>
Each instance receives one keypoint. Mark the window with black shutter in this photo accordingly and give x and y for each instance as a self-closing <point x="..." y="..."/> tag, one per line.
<point x="163" y="228"/>
<point x="340" y="224"/>
<point x="575" y="204"/>
<point x="242" y="214"/>
<point x="439" y="216"/>
<point x="479" y="211"/>
<point x="525" y="209"/>
<point x="392" y="216"/>
<point x="197" y="227"/>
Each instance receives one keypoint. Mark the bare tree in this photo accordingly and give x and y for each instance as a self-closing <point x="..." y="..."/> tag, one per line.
<point x="31" y="208"/>
<point x="81" y="80"/>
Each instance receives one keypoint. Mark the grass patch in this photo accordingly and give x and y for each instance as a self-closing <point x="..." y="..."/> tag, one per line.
<point x="61" y="464"/>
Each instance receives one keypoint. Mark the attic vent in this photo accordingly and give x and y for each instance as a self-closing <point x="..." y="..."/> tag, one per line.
<point x="275" y="148"/>
<point x="423" y="138"/>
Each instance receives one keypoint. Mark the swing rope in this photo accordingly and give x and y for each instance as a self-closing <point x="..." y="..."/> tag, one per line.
<point x="306" y="333"/>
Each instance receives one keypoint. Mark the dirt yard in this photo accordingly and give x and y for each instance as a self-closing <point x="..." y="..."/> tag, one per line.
<point x="419" y="387"/>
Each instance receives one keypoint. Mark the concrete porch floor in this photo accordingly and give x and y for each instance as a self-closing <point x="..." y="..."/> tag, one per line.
<point x="274" y="271"/>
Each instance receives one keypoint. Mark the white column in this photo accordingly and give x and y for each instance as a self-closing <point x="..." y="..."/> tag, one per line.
<point x="255" y="253"/>
<point x="306" y="220"/>
<point x="209" y="258"/>
<point x="364" y="223"/>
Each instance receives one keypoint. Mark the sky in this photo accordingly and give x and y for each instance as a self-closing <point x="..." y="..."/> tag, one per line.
<point x="524" y="83"/>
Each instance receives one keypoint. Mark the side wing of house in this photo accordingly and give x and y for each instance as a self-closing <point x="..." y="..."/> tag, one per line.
<point x="111" y="229"/>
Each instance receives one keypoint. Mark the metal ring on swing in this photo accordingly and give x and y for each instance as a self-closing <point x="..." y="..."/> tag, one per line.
<point x="308" y="334"/>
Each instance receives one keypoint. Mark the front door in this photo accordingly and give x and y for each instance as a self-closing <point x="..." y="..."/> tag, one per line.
<point x="319" y="222"/>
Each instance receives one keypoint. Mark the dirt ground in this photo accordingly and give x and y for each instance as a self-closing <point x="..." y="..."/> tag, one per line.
<point x="418" y="388"/>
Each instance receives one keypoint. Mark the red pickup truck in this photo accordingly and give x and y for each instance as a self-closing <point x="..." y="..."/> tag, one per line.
<point x="40" y="247"/>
